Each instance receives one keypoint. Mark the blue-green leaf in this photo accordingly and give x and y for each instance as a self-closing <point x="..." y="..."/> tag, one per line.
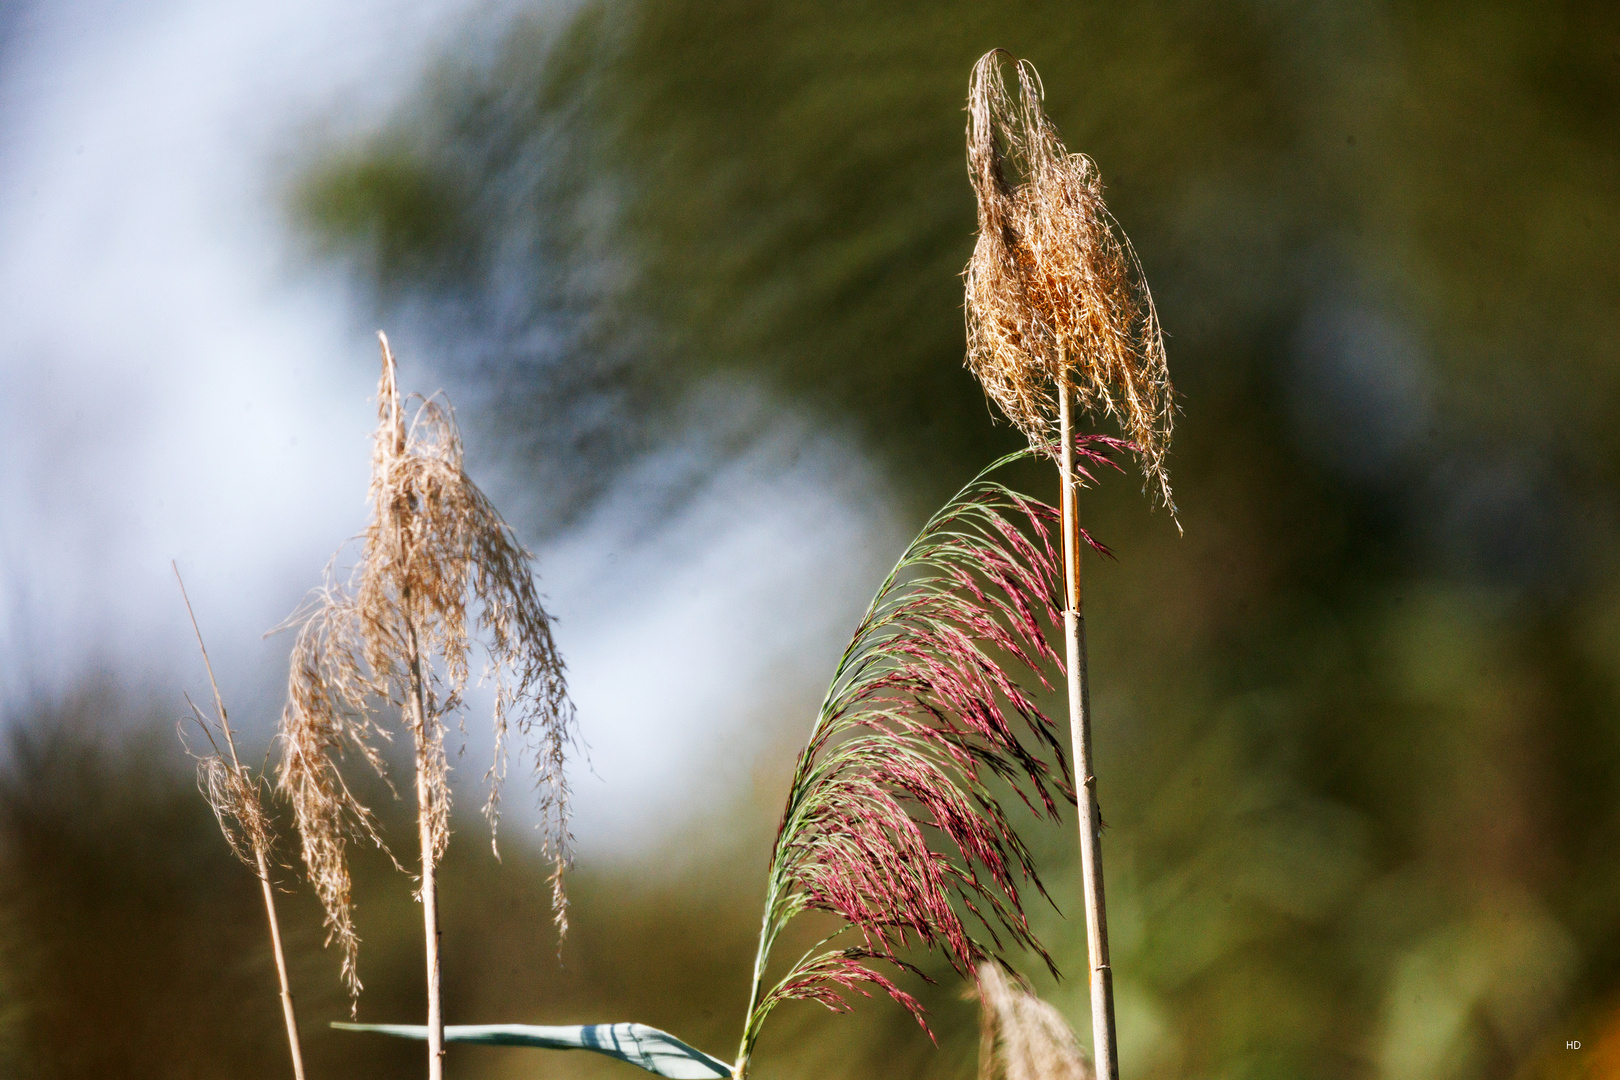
<point x="656" y="1051"/>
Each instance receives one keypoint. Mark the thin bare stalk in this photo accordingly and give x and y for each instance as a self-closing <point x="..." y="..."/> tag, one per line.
<point x="261" y="861"/>
<point x="1090" y="820"/>
<point x="289" y="1015"/>
<point x="430" y="888"/>
<point x="762" y="957"/>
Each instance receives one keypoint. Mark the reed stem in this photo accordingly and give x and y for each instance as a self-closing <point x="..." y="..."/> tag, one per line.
<point x="430" y="891"/>
<point x="1074" y="632"/>
<point x="288" y="1013"/>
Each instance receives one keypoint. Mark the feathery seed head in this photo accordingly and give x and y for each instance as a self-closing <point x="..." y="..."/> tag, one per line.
<point x="232" y="793"/>
<point x="1055" y="294"/>
<point x="399" y="628"/>
<point x="892" y="823"/>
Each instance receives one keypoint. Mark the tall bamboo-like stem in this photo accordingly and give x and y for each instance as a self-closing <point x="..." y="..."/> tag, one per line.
<point x="416" y="703"/>
<point x="1074" y="633"/>
<point x="261" y="863"/>
<point x="1059" y="316"/>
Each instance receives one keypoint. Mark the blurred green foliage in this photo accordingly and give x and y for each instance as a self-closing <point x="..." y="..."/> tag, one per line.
<point x="1357" y="731"/>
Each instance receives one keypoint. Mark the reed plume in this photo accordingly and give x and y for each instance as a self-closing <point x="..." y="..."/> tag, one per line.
<point x="1057" y="306"/>
<point x="891" y="823"/>
<point x="1022" y="1037"/>
<point x="232" y="793"/>
<point x="397" y="637"/>
<point x="1058" y="313"/>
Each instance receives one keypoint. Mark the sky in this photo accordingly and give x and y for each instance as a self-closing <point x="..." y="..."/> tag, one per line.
<point x="184" y="384"/>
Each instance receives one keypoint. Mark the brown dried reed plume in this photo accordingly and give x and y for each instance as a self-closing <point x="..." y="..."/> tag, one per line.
<point x="1022" y="1037"/>
<point x="1056" y="301"/>
<point x="397" y="636"/>
<point x="232" y="792"/>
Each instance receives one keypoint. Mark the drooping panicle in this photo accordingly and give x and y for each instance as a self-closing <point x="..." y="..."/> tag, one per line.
<point x="400" y="626"/>
<point x="1055" y="295"/>
<point x="892" y="822"/>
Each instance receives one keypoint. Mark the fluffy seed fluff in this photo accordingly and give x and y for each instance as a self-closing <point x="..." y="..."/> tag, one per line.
<point x="1022" y="1037"/>
<point x="1055" y="294"/>
<point x="396" y="637"/>
<point x="892" y="824"/>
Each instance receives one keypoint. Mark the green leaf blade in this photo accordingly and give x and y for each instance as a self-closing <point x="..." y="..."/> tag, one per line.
<point x="657" y="1052"/>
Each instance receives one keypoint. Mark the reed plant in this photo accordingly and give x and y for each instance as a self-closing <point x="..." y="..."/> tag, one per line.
<point x="233" y="793"/>
<point x="1059" y="317"/>
<point x="438" y="569"/>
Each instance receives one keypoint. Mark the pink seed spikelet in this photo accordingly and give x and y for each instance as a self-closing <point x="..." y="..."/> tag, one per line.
<point x="891" y="822"/>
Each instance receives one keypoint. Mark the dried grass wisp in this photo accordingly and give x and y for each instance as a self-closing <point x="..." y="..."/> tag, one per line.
<point x="232" y="793"/>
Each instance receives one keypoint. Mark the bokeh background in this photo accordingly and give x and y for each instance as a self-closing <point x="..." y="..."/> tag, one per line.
<point x="689" y="270"/>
